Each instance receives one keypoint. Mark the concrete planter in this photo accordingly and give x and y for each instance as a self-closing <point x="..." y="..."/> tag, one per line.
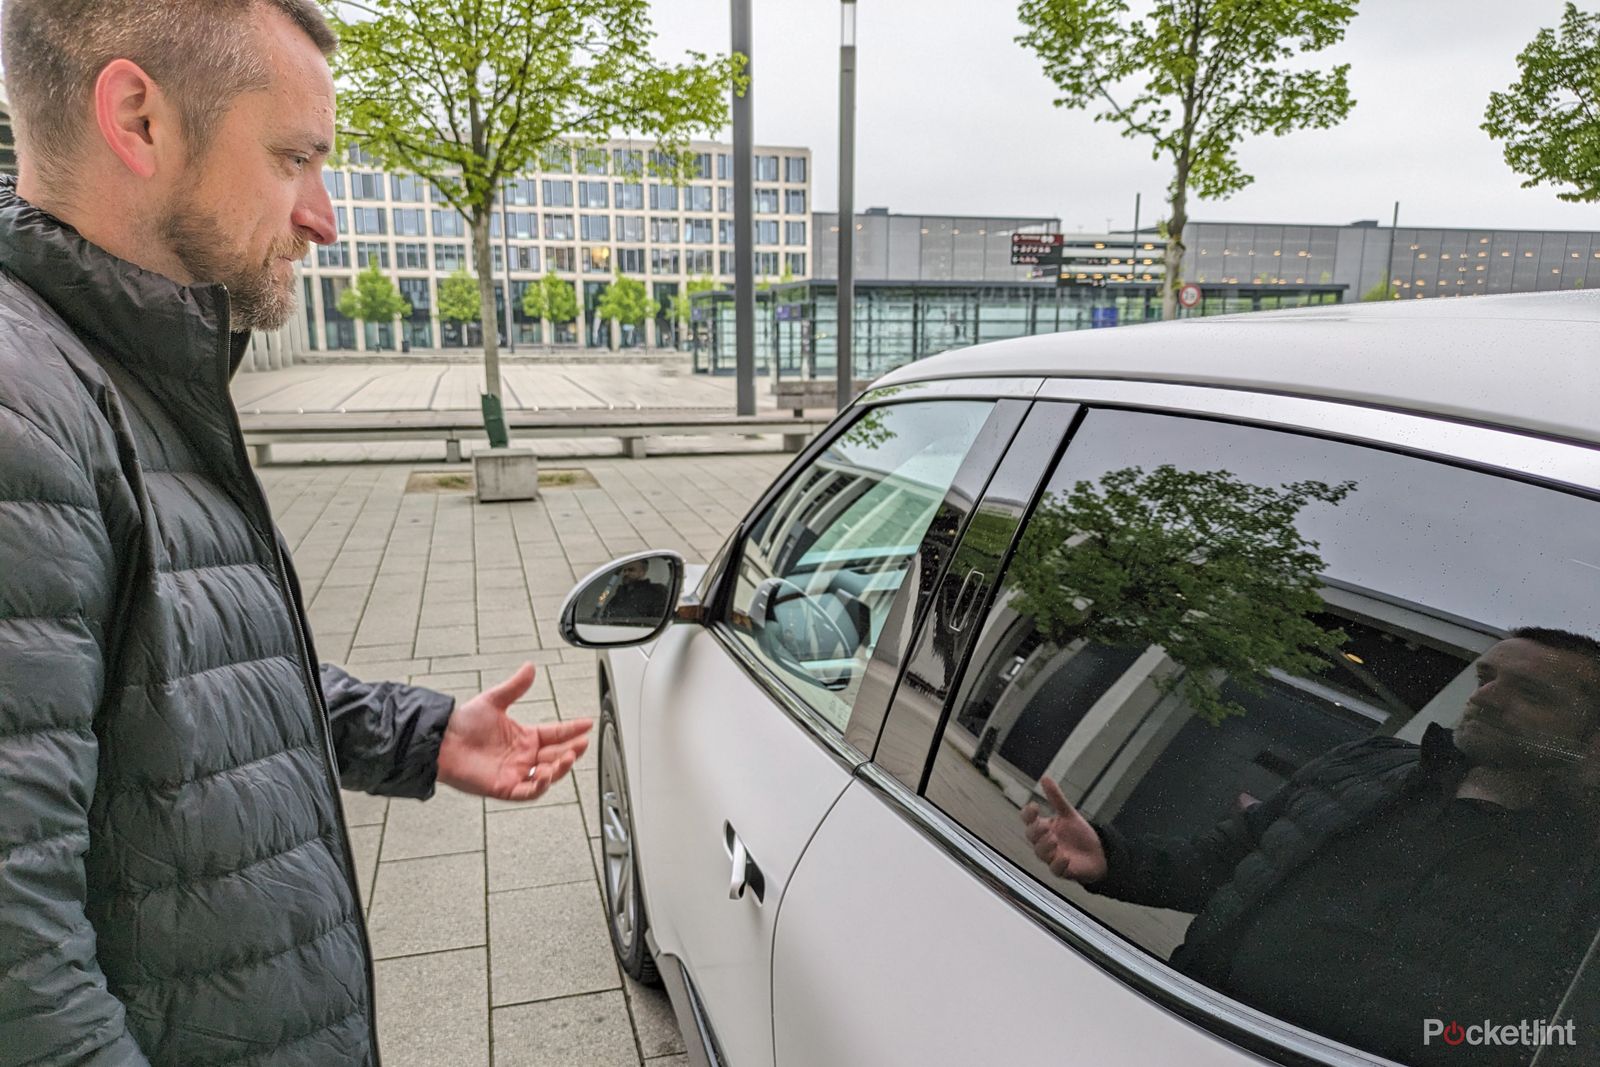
<point x="505" y="474"/>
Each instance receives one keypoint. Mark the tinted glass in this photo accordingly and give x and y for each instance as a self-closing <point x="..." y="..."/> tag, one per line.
<point x="821" y="567"/>
<point x="1269" y="699"/>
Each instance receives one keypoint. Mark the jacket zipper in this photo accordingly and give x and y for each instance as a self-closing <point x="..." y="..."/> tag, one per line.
<point x="312" y="685"/>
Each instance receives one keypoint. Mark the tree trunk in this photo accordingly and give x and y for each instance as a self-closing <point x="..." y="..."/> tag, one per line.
<point x="487" y="316"/>
<point x="1177" y="219"/>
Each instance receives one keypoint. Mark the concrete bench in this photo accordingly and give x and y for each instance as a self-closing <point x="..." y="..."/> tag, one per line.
<point x="632" y="429"/>
<point x="799" y="394"/>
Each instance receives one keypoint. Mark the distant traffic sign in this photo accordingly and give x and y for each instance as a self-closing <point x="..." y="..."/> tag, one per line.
<point x="1030" y="248"/>
<point x="1189" y="295"/>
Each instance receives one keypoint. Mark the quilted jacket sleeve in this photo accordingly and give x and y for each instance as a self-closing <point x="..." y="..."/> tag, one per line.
<point x="386" y="734"/>
<point x="58" y="582"/>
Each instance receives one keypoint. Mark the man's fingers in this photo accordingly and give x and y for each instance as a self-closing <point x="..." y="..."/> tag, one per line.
<point x="1055" y="796"/>
<point x="1061" y="867"/>
<point x="1030" y="813"/>
<point x="554" y="733"/>
<point x="510" y="691"/>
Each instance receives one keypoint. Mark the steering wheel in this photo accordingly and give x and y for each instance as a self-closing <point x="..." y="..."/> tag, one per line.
<point x="782" y="638"/>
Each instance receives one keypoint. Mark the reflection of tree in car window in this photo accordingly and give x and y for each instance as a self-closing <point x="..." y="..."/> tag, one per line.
<point x="1201" y="563"/>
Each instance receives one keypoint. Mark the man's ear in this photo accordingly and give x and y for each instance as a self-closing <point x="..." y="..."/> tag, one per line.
<point x="134" y="117"/>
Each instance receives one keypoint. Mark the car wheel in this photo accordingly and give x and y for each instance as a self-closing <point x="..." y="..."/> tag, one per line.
<point x="619" y="862"/>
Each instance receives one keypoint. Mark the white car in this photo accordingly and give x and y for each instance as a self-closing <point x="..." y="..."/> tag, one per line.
<point x="1214" y="692"/>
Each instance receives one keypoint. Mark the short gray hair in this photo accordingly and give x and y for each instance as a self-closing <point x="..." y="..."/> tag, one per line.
<point x="200" y="52"/>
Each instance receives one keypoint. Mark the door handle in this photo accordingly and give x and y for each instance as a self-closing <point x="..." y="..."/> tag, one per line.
<point x="745" y="874"/>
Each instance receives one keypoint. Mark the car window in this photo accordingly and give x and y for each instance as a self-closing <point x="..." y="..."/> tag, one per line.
<point x="820" y="568"/>
<point x="1314" y="723"/>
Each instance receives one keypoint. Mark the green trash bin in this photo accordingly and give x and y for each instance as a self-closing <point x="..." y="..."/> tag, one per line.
<point x="494" y="421"/>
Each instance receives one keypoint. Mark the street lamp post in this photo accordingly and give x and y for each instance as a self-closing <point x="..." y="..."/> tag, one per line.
<point x="744" y="264"/>
<point x="847" y="197"/>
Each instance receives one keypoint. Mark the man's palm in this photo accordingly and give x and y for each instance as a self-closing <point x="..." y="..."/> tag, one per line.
<point x="487" y="753"/>
<point x="1064" y="840"/>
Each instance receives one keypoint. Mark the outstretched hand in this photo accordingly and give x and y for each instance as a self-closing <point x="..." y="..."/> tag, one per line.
<point x="1064" y="840"/>
<point x="488" y="753"/>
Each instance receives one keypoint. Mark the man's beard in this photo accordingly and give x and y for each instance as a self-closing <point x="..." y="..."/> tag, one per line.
<point x="260" y="299"/>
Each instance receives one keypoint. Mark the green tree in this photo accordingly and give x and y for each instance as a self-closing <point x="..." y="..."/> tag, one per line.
<point x="373" y="297"/>
<point x="466" y="95"/>
<point x="626" y="302"/>
<point x="458" y="298"/>
<point x="550" y="298"/>
<point x="682" y="303"/>
<point x="1384" y="290"/>
<point x="1202" y="75"/>
<point x="1202" y="563"/>
<point x="1550" y="119"/>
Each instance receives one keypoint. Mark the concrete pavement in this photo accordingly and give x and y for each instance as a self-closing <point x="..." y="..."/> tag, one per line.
<point x="486" y="917"/>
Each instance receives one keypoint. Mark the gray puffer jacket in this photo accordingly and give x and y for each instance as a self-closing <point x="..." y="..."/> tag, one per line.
<point x="176" y="885"/>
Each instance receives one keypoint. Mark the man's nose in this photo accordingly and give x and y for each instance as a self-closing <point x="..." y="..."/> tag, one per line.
<point x="313" y="213"/>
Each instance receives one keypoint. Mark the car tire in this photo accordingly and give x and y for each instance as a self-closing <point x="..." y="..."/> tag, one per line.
<point x="619" y="866"/>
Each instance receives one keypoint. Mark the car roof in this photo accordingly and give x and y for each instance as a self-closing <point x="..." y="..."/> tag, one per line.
<point x="1526" y="361"/>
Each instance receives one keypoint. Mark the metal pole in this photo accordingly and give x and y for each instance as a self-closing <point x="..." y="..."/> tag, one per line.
<point x="845" y="370"/>
<point x="505" y="244"/>
<point x="744" y="263"/>
<point x="1388" y="265"/>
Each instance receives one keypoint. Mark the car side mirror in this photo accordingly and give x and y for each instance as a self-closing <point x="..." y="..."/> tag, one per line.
<point x="626" y="602"/>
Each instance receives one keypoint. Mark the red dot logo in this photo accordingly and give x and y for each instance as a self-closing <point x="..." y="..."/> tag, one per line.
<point x="1454" y="1033"/>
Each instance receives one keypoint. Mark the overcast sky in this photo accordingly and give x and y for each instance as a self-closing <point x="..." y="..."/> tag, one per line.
<point x="954" y="117"/>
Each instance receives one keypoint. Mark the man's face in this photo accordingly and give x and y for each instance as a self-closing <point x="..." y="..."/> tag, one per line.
<point x="636" y="571"/>
<point x="1534" y="707"/>
<point x="247" y="207"/>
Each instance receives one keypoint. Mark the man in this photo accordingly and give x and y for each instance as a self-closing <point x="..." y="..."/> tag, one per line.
<point x="175" y="876"/>
<point x="633" y="599"/>
<point x="1387" y="883"/>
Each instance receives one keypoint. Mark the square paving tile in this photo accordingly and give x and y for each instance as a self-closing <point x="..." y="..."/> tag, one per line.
<point x="653" y="1020"/>
<point x="447" y="822"/>
<point x="548" y="942"/>
<point x="427" y="905"/>
<point x="433" y="1010"/>
<point x="537" y="845"/>
<point x="589" y="1030"/>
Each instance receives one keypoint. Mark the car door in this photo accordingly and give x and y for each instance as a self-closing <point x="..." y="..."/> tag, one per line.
<point x="960" y="945"/>
<point x="743" y="729"/>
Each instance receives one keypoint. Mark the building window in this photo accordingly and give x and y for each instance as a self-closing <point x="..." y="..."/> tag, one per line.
<point x="557" y="159"/>
<point x="724" y="198"/>
<point x="524" y="257"/>
<point x="766" y="201"/>
<point x="794" y="201"/>
<point x="627" y="162"/>
<point x="447" y="223"/>
<point x="564" y="260"/>
<point x="663" y="261"/>
<point x="366" y="186"/>
<point x="519" y="192"/>
<point x="334" y="255"/>
<point x="697" y="198"/>
<point x="407" y="188"/>
<point x="524" y="225"/>
<point x="595" y="227"/>
<point x="333" y="181"/>
<point x="360" y="157"/>
<point x="596" y="260"/>
<point x="794" y="233"/>
<point x="371" y="220"/>
<point x="630" y="228"/>
<point x="558" y="227"/>
<point x="724" y="167"/>
<point x="367" y="251"/>
<point x="794" y="168"/>
<point x="341" y="220"/>
<point x="766" y="264"/>
<point x="591" y="161"/>
<point x="410" y="222"/>
<point x="557" y="194"/>
<point x="725" y="262"/>
<point x="698" y="261"/>
<point x="630" y="196"/>
<point x="449" y="256"/>
<point x="593" y="194"/>
<point x="697" y="231"/>
<point x="630" y="260"/>
<point x="498" y="256"/>
<point x="724" y="231"/>
<point x="702" y="165"/>
<point x="663" y="197"/>
<point x="411" y="255"/>
<point x="794" y="263"/>
<point x="766" y="169"/>
<point x="767" y="231"/>
<point x="664" y="231"/>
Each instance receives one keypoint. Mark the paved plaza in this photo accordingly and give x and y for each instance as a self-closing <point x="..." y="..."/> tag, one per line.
<point x="486" y="917"/>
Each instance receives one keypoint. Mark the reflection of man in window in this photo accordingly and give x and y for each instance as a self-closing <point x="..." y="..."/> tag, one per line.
<point x="1388" y="882"/>
<point x="633" y="599"/>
